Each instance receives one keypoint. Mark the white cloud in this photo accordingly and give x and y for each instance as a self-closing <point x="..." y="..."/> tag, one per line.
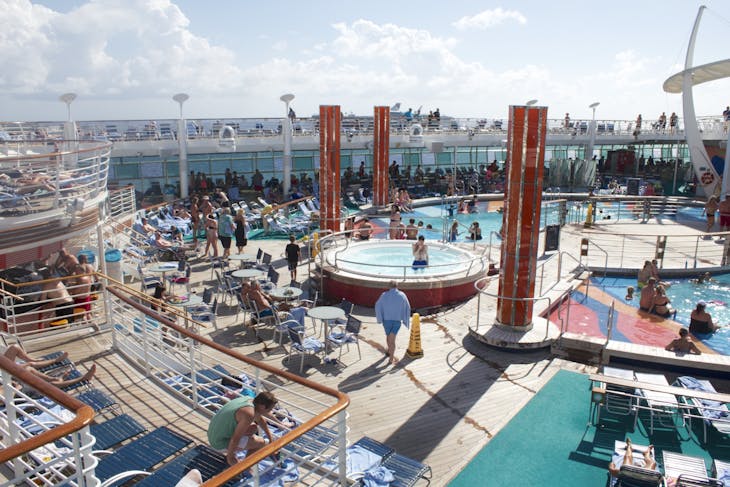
<point x="489" y="18"/>
<point x="105" y="47"/>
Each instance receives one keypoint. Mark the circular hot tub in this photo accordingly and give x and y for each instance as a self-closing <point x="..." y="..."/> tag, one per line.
<point x="361" y="271"/>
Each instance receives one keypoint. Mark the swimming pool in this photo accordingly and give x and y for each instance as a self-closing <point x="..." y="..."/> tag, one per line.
<point x="684" y="295"/>
<point x="491" y="221"/>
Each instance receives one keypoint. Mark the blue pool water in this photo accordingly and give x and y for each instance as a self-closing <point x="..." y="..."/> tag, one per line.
<point x="492" y="221"/>
<point x="391" y="259"/>
<point x="684" y="296"/>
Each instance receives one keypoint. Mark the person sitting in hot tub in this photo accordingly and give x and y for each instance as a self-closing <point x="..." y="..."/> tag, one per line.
<point x="475" y="232"/>
<point x="700" y="320"/>
<point x="420" y="253"/>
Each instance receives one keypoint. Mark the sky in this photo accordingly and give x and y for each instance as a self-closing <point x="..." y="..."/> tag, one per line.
<point x="125" y="59"/>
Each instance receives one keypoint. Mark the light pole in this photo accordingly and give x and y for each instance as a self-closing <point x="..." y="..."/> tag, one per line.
<point x="286" y="129"/>
<point x="592" y="135"/>
<point x="68" y="98"/>
<point x="182" y="140"/>
<point x="531" y="102"/>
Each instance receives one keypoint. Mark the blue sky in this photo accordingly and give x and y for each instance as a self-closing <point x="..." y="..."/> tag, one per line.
<point x="125" y="59"/>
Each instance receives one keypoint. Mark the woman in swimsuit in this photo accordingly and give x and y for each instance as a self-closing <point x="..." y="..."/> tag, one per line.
<point x="211" y="235"/>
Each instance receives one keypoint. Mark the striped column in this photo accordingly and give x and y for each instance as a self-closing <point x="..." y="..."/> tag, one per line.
<point x="381" y="146"/>
<point x="330" y="119"/>
<point x="522" y="199"/>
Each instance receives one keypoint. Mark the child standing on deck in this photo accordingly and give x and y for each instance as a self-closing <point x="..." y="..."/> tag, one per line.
<point x="293" y="253"/>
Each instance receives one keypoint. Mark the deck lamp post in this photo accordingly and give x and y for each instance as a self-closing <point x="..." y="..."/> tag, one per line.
<point x="592" y="136"/>
<point x="68" y="98"/>
<point x="286" y="128"/>
<point x="531" y="102"/>
<point x="182" y="140"/>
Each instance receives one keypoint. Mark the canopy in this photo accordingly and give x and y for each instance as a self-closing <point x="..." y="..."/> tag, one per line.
<point x="700" y="74"/>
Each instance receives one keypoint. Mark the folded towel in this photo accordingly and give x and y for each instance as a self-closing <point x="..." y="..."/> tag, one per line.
<point x="378" y="477"/>
<point x="692" y="383"/>
<point x="313" y="343"/>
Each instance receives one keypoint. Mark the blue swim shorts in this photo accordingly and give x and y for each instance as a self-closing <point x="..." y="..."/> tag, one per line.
<point x="391" y="327"/>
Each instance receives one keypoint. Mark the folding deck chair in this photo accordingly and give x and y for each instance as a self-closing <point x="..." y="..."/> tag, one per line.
<point x="634" y="475"/>
<point x="99" y="401"/>
<point x="713" y="413"/>
<point x="406" y="471"/>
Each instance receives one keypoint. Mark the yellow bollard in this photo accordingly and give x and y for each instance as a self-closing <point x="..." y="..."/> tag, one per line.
<point x="315" y="244"/>
<point x="414" y="344"/>
<point x="589" y="215"/>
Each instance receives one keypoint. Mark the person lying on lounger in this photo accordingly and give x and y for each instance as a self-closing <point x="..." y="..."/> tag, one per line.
<point x="18" y="355"/>
<point x="628" y="459"/>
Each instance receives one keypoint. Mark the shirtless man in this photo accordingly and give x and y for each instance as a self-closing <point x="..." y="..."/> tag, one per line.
<point x="683" y="344"/>
<point x="647" y="295"/>
<point x="365" y="229"/>
<point x="252" y="292"/>
<point x="81" y="290"/>
<point x="411" y="230"/>
<point x="65" y="263"/>
<point x="55" y="295"/>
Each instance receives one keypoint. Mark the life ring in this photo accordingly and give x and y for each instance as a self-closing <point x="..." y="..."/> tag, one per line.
<point x="707" y="178"/>
<point x="416" y="130"/>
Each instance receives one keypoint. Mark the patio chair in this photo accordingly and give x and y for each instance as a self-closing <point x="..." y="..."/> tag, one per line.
<point x="676" y="465"/>
<point x="713" y="413"/>
<point x="182" y="277"/>
<point x="281" y="326"/>
<point x="265" y="262"/>
<point x="207" y="316"/>
<point x="340" y="336"/>
<point x="140" y="454"/>
<point x="242" y="306"/>
<point x="303" y="345"/>
<point x="217" y="263"/>
<point x="115" y="430"/>
<point x="147" y="282"/>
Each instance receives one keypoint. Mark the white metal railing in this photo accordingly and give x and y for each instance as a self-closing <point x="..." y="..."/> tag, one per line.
<point x="52" y="180"/>
<point x="189" y="367"/>
<point x="29" y="310"/>
<point x="619" y="251"/>
<point x="122" y="202"/>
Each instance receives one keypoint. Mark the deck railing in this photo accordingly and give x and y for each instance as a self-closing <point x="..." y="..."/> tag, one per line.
<point x="179" y="362"/>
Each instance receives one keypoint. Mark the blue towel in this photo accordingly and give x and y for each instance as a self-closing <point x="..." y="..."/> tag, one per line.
<point x="724" y="477"/>
<point x="313" y="343"/>
<point x="285" y="472"/>
<point x="299" y="313"/>
<point x="378" y="477"/>
<point x="697" y="385"/>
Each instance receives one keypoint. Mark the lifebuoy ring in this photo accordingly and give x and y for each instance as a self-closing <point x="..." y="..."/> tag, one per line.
<point x="707" y="178"/>
<point x="416" y="130"/>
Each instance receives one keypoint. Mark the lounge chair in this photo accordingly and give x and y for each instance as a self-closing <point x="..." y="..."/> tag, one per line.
<point x="634" y="475"/>
<point x="406" y="472"/>
<point x="99" y="401"/>
<point x="140" y="454"/>
<point x="203" y="458"/>
<point x="618" y="400"/>
<point x="713" y="413"/>
<point x="662" y="406"/>
<point x="363" y="455"/>
<point x="115" y="430"/>
<point x="677" y="465"/>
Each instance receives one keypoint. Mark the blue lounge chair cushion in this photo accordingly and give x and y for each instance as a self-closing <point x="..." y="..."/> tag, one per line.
<point x="115" y="430"/>
<point x="207" y="460"/>
<point x="97" y="400"/>
<point x="142" y="453"/>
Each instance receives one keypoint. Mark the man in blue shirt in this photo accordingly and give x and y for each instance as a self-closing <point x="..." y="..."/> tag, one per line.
<point x="392" y="309"/>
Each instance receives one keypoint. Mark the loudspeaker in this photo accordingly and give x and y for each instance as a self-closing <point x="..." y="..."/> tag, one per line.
<point x="552" y="237"/>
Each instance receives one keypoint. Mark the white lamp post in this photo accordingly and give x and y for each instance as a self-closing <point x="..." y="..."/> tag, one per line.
<point x="182" y="140"/>
<point x="68" y="98"/>
<point x="592" y="135"/>
<point x="287" y="133"/>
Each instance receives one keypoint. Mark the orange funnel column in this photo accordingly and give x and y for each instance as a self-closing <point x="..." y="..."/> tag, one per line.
<point x="330" y="119"/>
<point x="522" y="200"/>
<point x="381" y="146"/>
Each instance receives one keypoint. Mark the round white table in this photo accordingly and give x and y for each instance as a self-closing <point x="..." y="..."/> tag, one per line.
<point x="248" y="273"/>
<point x="163" y="268"/>
<point x="286" y="293"/>
<point x="327" y="314"/>
<point x="243" y="258"/>
<point x="191" y="300"/>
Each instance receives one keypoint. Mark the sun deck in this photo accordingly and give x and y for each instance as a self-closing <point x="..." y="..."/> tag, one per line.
<point x="441" y="409"/>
